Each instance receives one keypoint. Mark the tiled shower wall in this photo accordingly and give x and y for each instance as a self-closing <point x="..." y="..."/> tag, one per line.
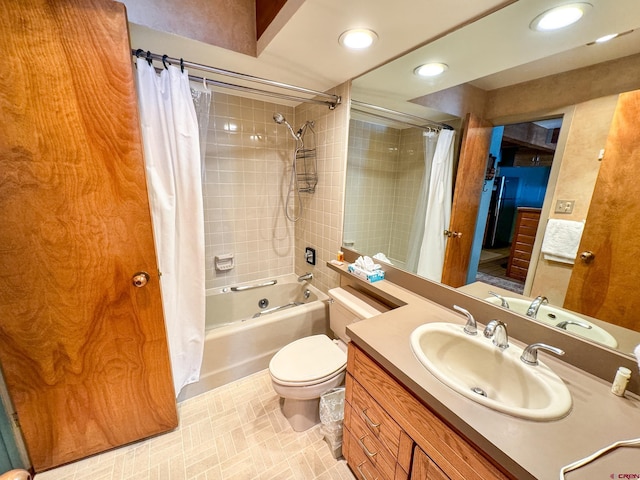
<point x="248" y="161"/>
<point x="321" y="224"/>
<point x="371" y="171"/>
<point x="407" y="181"/>
<point x="384" y="174"/>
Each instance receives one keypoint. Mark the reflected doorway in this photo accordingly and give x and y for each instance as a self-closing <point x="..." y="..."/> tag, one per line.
<point x="514" y="189"/>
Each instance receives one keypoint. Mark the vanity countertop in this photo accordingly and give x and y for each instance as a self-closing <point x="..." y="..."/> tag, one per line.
<point x="528" y="449"/>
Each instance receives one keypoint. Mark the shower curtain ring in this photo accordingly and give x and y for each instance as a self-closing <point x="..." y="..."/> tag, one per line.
<point x="149" y="59"/>
<point x="182" y="65"/>
<point x="164" y="61"/>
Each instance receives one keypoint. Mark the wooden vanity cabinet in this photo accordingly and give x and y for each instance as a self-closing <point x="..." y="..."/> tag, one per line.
<point x="425" y="468"/>
<point x="391" y="435"/>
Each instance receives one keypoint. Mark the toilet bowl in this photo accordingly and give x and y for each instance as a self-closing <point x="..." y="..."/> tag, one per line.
<point x="302" y="371"/>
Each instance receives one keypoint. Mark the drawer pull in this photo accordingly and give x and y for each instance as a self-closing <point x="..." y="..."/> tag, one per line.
<point x="372" y="425"/>
<point x="365" y="449"/>
<point x="359" y="468"/>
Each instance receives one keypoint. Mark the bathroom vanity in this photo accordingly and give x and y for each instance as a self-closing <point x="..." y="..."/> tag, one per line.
<point x="401" y="422"/>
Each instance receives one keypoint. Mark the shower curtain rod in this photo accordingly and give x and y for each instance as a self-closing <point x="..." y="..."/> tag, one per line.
<point x="423" y="122"/>
<point x="332" y="100"/>
<point x="404" y="122"/>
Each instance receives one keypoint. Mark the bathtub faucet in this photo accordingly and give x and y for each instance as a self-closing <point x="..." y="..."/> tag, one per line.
<point x="306" y="276"/>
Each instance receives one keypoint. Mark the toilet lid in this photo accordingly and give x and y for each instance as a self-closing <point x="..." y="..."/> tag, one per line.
<point x="307" y="359"/>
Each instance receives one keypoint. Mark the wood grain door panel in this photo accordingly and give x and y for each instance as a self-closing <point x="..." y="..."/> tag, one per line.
<point x="474" y="152"/>
<point x="604" y="288"/>
<point x="83" y="351"/>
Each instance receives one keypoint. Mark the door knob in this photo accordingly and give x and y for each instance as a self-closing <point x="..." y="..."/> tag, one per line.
<point x="587" y="256"/>
<point x="140" y="279"/>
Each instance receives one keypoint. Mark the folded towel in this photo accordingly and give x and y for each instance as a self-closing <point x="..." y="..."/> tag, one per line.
<point x="382" y="257"/>
<point x="561" y="240"/>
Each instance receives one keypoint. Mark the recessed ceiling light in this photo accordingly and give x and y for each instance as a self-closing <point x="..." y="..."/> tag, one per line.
<point x="560" y="16"/>
<point x="358" y="38"/>
<point x="606" y="38"/>
<point x="430" y="69"/>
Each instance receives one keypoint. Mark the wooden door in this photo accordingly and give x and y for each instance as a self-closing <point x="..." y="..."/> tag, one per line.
<point x="474" y="152"/>
<point x="83" y="351"/>
<point x="606" y="288"/>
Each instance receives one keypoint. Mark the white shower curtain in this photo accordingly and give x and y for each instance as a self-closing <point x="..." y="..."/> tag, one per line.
<point x="172" y="160"/>
<point x="417" y="225"/>
<point x="438" y="212"/>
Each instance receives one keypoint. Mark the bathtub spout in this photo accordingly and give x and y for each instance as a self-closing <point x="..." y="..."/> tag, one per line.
<point x="306" y="276"/>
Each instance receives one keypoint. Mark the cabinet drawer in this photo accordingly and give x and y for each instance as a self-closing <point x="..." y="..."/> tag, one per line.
<point x="370" y="445"/>
<point x="360" y="463"/>
<point x="376" y="421"/>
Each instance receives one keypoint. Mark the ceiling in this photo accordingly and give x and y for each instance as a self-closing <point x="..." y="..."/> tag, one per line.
<point x="494" y="51"/>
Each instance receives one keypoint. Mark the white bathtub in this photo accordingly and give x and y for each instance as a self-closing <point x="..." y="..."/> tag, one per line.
<point x="237" y="344"/>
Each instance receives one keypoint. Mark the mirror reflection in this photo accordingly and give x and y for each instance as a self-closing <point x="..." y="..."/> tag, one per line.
<point x="540" y="170"/>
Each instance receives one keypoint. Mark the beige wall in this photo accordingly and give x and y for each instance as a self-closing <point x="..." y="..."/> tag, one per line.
<point x="321" y="224"/>
<point x="576" y="178"/>
<point x="229" y="24"/>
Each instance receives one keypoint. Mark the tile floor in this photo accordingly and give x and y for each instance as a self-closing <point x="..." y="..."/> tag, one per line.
<point x="235" y="432"/>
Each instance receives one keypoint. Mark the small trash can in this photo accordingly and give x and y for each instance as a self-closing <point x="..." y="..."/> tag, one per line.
<point x="331" y="417"/>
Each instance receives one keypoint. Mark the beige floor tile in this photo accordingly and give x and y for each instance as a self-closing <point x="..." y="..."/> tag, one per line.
<point x="235" y="432"/>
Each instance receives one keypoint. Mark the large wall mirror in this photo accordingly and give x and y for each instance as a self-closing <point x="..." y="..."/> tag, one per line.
<point x="560" y="157"/>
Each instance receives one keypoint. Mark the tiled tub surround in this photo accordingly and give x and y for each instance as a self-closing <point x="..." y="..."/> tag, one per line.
<point x="384" y="162"/>
<point x="248" y="162"/>
<point x="235" y="432"/>
<point x="247" y="175"/>
<point x="237" y="345"/>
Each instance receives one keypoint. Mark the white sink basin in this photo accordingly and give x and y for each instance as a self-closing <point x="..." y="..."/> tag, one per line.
<point x="472" y="365"/>
<point x="554" y="315"/>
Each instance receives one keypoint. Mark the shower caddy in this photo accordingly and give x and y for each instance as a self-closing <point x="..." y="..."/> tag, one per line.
<point x="305" y="161"/>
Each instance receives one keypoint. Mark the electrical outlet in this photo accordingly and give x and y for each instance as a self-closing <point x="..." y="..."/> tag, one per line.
<point x="310" y="255"/>
<point x="564" y="206"/>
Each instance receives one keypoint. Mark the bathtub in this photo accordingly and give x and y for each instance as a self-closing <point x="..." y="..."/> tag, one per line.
<point x="245" y="328"/>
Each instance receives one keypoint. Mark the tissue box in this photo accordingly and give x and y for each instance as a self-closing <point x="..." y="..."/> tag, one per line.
<point x="368" y="275"/>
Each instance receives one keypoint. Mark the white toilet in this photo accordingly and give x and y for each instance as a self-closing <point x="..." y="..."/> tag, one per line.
<point x="309" y="367"/>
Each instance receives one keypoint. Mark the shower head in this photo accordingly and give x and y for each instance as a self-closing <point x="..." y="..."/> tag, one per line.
<point x="279" y="119"/>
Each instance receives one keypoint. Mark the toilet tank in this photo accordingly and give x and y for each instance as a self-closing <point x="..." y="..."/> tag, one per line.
<point x="348" y="306"/>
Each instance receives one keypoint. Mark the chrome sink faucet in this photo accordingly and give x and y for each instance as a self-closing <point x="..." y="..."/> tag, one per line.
<point x="532" y="311"/>
<point x="496" y="330"/>
<point x="530" y="353"/>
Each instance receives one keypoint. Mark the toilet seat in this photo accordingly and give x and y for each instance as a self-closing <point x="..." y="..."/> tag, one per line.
<point x="307" y="361"/>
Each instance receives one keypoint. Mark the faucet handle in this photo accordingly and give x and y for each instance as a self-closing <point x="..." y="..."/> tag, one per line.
<point x="470" y="328"/>
<point x="530" y="353"/>
<point x="503" y="301"/>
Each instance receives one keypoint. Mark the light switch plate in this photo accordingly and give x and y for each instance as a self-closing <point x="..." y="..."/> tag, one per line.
<point x="564" y="206"/>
